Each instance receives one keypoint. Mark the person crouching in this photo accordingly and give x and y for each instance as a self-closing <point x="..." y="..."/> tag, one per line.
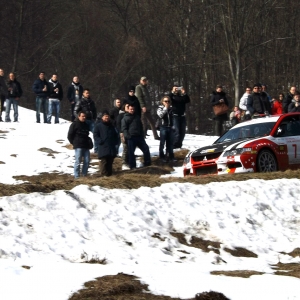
<point x="107" y="138"/>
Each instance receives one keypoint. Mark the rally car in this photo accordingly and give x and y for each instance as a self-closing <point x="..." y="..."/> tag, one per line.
<point x="272" y="144"/>
<point x="263" y="144"/>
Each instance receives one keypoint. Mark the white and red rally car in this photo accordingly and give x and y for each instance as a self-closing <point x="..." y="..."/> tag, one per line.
<point x="261" y="145"/>
<point x="272" y="144"/>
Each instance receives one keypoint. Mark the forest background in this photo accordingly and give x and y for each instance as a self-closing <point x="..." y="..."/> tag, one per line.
<point x="110" y="44"/>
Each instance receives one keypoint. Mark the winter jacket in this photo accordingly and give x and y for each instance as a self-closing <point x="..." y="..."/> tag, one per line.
<point x="71" y="94"/>
<point x="16" y="91"/>
<point x="259" y="103"/>
<point x="293" y="108"/>
<point x="51" y="93"/>
<point x="107" y="138"/>
<point x="131" y="125"/>
<point x="3" y="88"/>
<point x="113" y="113"/>
<point x="215" y="99"/>
<point x="165" y="116"/>
<point x="142" y="93"/>
<point x="287" y="101"/>
<point x="78" y="134"/>
<point x="178" y="103"/>
<point x="119" y="120"/>
<point x="277" y="108"/>
<point x="86" y="105"/>
<point x="38" y="86"/>
<point x="134" y="101"/>
<point x="243" y="102"/>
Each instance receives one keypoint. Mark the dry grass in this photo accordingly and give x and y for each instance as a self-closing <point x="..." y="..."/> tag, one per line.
<point x="291" y="269"/>
<point x="128" y="287"/>
<point x="237" y="273"/>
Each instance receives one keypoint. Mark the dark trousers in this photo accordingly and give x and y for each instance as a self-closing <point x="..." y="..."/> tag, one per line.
<point x="2" y="106"/>
<point x="138" y="141"/>
<point x="105" y="165"/>
<point x="166" y="137"/>
<point x="72" y="112"/>
<point x="147" y="116"/>
<point x="179" y="134"/>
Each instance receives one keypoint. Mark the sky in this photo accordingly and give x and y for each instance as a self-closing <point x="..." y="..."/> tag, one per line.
<point x="54" y="233"/>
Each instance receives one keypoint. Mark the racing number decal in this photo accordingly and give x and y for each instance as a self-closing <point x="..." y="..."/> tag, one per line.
<point x="295" y="148"/>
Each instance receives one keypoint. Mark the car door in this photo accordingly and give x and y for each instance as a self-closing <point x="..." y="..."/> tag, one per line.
<point x="288" y="133"/>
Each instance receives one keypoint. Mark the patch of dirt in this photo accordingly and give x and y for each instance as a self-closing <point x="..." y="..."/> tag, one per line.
<point x="69" y="147"/>
<point x="290" y="269"/>
<point x="128" y="287"/>
<point x="204" y="245"/>
<point x="60" y="141"/>
<point x="14" y="155"/>
<point x="2" y="163"/>
<point x="48" y="150"/>
<point x="294" y="253"/>
<point x="4" y="131"/>
<point x="237" y="273"/>
<point x="241" y="252"/>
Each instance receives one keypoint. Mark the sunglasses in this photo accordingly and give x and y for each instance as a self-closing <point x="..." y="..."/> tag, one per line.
<point x="167" y="101"/>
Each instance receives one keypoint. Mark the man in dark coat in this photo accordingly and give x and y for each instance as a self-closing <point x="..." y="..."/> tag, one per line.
<point x="87" y="105"/>
<point x="219" y="96"/>
<point x="14" y="94"/>
<point x="55" y="96"/>
<point x="106" y="136"/>
<point x="258" y="102"/>
<point x="114" y="112"/>
<point x="295" y="104"/>
<point x="40" y="88"/>
<point x="74" y="94"/>
<point x="134" y="101"/>
<point x="179" y="99"/>
<point x="78" y="136"/>
<point x="288" y="99"/>
<point x="3" y="93"/>
<point x="132" y="129"/>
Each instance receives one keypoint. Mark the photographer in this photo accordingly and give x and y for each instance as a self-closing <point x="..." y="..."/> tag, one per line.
<point x="179" y="99"/>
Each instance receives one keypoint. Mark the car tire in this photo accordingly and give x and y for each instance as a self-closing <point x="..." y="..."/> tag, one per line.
<point x="266" y="161"/>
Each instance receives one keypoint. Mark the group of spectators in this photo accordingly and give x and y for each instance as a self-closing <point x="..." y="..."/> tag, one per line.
<point x="126" y="123"/>
<point x="255" y="102"/>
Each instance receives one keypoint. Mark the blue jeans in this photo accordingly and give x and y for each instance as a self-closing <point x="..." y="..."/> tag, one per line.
<point x="166" y="137"/>
<point x="41" y="102"/>
<point x="91" y="124"/>
<point x="138" y="141"/>
<point x="54" y="106"/>
<point x="79" y="154"/>
<point x="179" y="134"/>
<point x="15" y="103"/>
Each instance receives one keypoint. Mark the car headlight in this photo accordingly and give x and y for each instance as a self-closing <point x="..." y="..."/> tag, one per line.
<point x="239" y="151"/>
<point x="187" y="159"/>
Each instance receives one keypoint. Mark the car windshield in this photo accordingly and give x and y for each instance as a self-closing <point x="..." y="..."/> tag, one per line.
<point x="247" y="131"/>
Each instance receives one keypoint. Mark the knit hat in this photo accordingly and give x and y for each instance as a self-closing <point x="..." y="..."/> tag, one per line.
<point x="104" y="112"/>
<point x="132" y="88"/>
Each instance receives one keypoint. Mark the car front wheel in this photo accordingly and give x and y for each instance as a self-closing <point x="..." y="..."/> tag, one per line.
<point x="266" y="162"/>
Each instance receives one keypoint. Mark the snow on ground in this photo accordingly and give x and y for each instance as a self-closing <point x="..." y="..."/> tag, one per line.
<point x="53" y="233"/>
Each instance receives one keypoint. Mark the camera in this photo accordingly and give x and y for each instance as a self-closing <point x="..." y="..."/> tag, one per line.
<point x="179" y="88"/>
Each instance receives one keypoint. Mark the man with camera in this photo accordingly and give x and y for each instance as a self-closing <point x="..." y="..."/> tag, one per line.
<point x="179" y="100"/>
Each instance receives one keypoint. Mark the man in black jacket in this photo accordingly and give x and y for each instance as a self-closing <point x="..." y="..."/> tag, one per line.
<point x="134" y="101"/>
<point x="14" y="94"/>
<point x="40" y="88"/>
<point x="179" y="100"/>
<point x="132" y="129"/>
<point x="107" y="138"/>
<point x="55" y="96"/>
<point x="258" y="102"/>
<point x="78" y="136"/>
<point x="74" y="94"/>
<point x="3" y="93"/>
<point x="288" y="99"/>
<point x="218" y="97"/>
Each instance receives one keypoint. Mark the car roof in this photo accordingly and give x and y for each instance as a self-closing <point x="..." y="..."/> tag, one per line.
<point x="273" y="119"/>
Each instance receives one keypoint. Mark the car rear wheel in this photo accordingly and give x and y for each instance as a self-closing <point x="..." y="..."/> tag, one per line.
<point x="266" y="162"/>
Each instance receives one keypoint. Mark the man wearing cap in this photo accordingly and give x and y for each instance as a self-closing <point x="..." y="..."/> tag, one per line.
<point x="288" y="99"/>
<point x="142" y="93"/>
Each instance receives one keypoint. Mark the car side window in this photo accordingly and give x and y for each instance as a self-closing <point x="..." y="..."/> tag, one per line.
<point x="289" y="127"/>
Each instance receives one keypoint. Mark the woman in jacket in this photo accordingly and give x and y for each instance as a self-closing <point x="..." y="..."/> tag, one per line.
<point x="107" y="137"/>
<point x="165" y="114"/>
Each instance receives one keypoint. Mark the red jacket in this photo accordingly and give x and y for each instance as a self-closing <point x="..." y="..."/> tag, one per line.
<point x="277" y="108"/>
